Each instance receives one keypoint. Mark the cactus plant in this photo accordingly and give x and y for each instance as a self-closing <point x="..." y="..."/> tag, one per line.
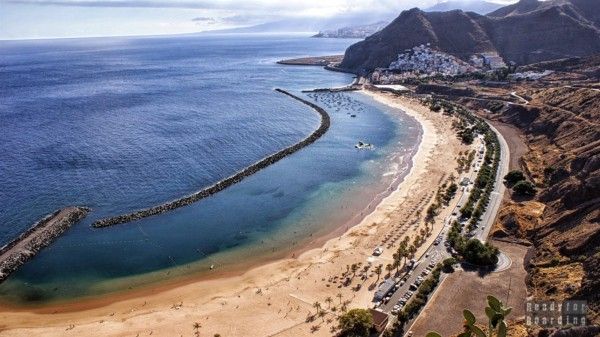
<point x="496" y="313"/>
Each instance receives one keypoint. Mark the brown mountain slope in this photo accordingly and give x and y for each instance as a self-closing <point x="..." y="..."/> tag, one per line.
<point x="559" y="130"/>
<point x="456" y="32"/>
<point x="563" y="135"/>
<point x="529" y="31"/>
<point x="553" y="32"/>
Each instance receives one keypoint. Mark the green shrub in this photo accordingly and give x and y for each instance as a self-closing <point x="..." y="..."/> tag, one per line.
<point x="524" y="188"/>
<point x="513" y="177"/>
<point x="356" y="323"/>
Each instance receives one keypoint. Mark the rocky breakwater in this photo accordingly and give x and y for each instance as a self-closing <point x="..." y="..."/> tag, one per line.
<point x="41" y="234"/>
<point x="235" y="178"/>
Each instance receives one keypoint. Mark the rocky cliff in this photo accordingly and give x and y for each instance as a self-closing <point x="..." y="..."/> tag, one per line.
<point x="563" y="135"/>
<point x="526" y="32"/>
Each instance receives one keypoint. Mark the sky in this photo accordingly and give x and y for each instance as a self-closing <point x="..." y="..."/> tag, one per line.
<point x="35" y="19"/>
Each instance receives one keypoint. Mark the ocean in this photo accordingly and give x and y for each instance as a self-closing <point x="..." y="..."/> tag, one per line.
<point x="119" y="124"/>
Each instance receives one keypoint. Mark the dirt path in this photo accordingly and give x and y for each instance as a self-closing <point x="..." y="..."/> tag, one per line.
<point x="468" y="290"/>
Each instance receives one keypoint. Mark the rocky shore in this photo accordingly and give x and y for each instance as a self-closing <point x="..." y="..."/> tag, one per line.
<point x="41" y="234"/>
<point x="223" y="184"/>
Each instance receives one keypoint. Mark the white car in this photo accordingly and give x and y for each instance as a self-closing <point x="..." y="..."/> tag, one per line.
<point x="395" y="309"/>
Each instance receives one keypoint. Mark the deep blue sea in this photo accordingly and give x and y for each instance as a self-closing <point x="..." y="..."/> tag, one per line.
<point x="119" y="124"/>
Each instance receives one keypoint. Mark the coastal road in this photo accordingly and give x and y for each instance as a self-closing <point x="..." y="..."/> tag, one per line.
<point x="437" y="253"/>
<point x="488" y="218"/>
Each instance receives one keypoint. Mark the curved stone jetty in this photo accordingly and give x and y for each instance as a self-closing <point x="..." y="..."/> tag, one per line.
<point x="41" y="234"/>
<point x="235" y="178"/>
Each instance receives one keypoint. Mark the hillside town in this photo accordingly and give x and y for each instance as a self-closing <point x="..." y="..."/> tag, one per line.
<point x="424" y="61"/>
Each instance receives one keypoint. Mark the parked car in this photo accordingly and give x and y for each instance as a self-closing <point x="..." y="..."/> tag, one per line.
<point x="378" y="251"/>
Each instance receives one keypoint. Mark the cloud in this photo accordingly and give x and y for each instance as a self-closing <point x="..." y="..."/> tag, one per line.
<point x="288" y="6"/>
<point x="205" y="20"/>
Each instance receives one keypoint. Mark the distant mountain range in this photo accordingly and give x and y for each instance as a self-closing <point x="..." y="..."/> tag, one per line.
<point x="345" y="26"/>
<point x="355" y="32"/>
<point x="314" y="25"/>
<point x="525" y="32"/>
<point x="477" y="6"/>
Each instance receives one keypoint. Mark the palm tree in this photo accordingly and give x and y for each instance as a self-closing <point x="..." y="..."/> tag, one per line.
<point x="411" y="251"/>
<point x="389" y="267"/>
<point x="322" y="315"/>
<point x="354" y="268"/>
<point x="378" y="271"/>
<point x="328" y="300"/>
<point x="417" y="240"/>
<point x="317" y="306"/>
<point x="402" y="252"/>
<point x="197" y="327"/>
<point x="339" y="296"/>
<point x="344" y="306"/>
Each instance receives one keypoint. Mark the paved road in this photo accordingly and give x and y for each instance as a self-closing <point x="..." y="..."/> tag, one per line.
<point x="514" y="94"/>
<point x="487" y="220"/>
<point x="437" y="253"/>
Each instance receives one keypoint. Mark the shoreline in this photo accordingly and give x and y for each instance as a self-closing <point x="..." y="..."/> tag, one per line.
<point x="259" y="292"/>
<point x="232" y="270"/>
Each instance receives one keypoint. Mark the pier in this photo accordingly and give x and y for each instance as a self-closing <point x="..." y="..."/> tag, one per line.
<point x="22" y="249"/>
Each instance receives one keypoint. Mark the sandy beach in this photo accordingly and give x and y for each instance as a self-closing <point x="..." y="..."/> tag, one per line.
<point x="277" y="298"/>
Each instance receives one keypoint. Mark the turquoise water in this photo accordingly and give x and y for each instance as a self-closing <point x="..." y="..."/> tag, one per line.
<point x="119" y="124"/>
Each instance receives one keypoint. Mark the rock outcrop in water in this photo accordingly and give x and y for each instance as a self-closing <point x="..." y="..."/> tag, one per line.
<point x="41" y="234"/>
<point x="237" y="177"/>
